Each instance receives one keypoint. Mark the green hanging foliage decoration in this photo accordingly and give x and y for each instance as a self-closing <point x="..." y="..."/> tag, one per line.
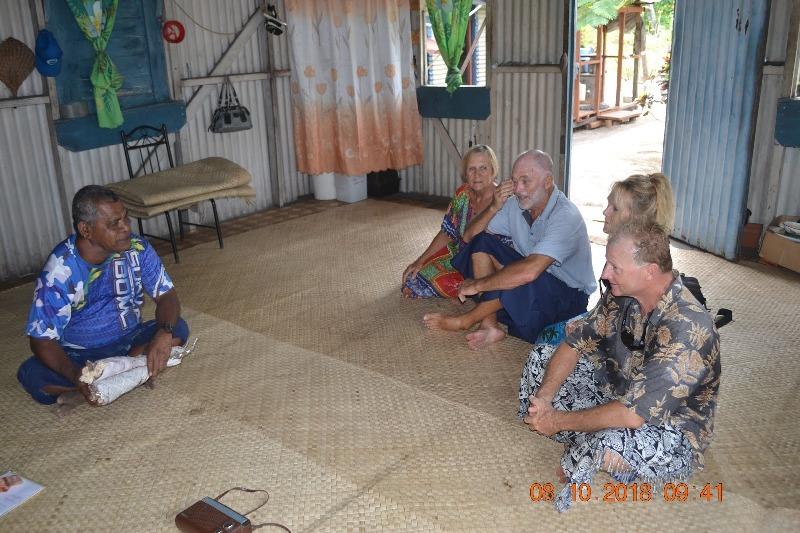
<point x="96" y="20"/>
<point x="449" y="20"/>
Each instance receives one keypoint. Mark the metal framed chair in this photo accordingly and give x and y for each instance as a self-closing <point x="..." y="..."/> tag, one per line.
<point x="147" y="146"/>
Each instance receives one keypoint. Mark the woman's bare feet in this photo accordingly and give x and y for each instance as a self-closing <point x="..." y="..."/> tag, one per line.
<point x="485" y="336"/>
<point x="440" y="322"/>
<point x="561" y="476"/>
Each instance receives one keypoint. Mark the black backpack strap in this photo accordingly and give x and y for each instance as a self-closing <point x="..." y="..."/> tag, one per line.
<point x="722" y="317"/>
<point x="694" y="287"/>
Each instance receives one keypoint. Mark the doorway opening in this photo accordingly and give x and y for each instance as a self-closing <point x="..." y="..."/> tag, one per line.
<point x="622" y="61"/>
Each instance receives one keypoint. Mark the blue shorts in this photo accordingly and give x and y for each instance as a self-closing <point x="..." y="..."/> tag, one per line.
<point x="34" y="375"/>
<point x="529" y="308"/>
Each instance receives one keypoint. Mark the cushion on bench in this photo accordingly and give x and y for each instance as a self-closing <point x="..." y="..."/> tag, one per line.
<point x="243" y="191"/>
<point x="203" y="177"/>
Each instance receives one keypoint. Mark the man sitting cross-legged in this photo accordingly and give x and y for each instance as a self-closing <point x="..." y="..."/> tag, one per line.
<point x="88" y="298"/>
<point x="543" y="276"/>
<point x="633" y="388"/>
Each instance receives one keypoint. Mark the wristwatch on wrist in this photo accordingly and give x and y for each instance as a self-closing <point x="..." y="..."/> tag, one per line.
<point x="166" y="326"/>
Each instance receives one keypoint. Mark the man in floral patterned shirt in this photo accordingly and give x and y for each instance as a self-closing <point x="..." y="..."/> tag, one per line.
<point x="88" y="298"/>
<point x="633" y="388"/>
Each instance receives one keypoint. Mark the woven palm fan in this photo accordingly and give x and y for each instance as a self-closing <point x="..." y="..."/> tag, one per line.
<point x="16" y="63"/>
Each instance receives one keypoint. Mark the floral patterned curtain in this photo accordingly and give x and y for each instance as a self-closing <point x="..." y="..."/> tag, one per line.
<point x="449" y="21"/>
<point x="96" y="20"/>
<point x="353" y="92"/>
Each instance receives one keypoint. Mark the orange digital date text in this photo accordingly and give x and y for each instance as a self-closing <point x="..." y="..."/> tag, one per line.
<point x="631" y="492"/>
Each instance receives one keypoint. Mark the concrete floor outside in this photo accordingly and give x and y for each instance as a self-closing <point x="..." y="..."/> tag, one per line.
<point x="604" y="155"/>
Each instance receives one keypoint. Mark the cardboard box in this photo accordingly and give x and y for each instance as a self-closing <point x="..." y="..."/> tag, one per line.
<point x="780" y="250"/>
<point x="748" y="240"/>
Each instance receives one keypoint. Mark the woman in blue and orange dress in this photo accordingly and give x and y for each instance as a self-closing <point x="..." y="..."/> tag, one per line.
<point x="432" y="274"/>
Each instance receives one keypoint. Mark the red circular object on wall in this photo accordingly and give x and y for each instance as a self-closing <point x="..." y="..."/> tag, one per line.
<point x="173" y="31"/>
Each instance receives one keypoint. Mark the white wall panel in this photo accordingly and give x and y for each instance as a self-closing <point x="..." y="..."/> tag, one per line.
<point x="774" y="187"/>
<point x="527" y="31"/>
<point x="526" y="108"/>
<point x="31" y="220"/>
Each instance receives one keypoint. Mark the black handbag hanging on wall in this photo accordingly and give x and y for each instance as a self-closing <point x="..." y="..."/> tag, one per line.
<point x="229" y="115"/>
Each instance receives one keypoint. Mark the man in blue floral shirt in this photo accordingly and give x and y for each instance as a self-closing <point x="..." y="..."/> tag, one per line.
<point x="88" y="298"/>
<point x="633" y="388"/>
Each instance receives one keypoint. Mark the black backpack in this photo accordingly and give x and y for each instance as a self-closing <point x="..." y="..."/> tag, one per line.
<point x="723" y="316"/>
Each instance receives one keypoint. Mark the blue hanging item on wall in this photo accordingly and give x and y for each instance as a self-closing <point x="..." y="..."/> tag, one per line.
<point x="48" y="54"/>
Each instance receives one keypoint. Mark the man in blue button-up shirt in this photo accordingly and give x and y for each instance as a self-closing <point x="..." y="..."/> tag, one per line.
<point x="532" y="266"/>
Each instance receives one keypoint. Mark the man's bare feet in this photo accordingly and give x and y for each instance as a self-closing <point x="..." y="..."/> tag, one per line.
<point x="68" y="401"/>
<point x="561" y="476"/>
<point x="440" y="322"/>
<point x="485" y="336"/>
<point x="72" y="397"/>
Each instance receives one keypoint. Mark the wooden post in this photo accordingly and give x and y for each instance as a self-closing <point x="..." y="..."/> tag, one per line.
<point x="603" y="66"/>
<point x="637" y="53"/>
<point x="52" y="113"/>
<point x="620" y="50"/>
<point x="271" y="109"/>
<point x="576" y="90"/>
<point x="599" y="68"/>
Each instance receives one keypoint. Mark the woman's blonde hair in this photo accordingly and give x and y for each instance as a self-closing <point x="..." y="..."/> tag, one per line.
<point x="648" y="198"/>
<point x="479" y="149"/>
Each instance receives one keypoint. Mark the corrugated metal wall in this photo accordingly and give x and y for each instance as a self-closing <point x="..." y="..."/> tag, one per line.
<point x="526" y="37"/>
<point x="196" y="56"/>
<point x="527" y="31"/>
<point x="774" y="184"/>
<point x="526" y="109"/>
<point x="27" y="173"/>
<point x="30" y="208"/>
<point x="31" y="220"/>
<point x="527" y="106"/>
<point x="710" y="117"/>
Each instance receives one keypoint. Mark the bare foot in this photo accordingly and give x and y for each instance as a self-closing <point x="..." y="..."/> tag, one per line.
<point x="484" y="337"/>
<point x="62" y="411"/>
<point x="561" y="476"/>
<point x="440" y="322"/>
<point x="70" y="398"/>
<point x="68" y="401"/>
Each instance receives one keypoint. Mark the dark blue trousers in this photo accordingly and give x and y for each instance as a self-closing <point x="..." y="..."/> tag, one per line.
<point x="529" y="308"/>
<point x="34" y="375"/>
